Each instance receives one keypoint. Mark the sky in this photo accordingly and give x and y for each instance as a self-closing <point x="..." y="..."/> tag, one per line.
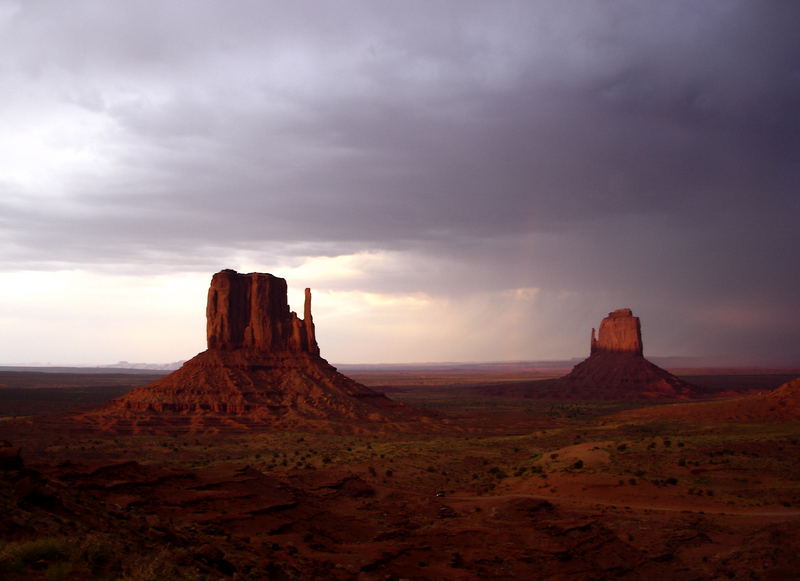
<point x="455" y="180"/>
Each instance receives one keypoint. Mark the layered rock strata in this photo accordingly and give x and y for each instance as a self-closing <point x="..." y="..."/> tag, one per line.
<point x="616" y="367"/>
<point x="262" y="366"/>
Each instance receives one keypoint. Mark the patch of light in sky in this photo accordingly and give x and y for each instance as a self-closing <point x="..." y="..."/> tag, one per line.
<point x="42" y="156"/>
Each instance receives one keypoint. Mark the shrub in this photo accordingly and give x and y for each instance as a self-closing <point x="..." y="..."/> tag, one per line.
<point x="498" y="473"/>
<point x="98" y="553"/>
<point x="15" y="557"/>
<point x="153" y="567"/>
<point x="58" y="571"/>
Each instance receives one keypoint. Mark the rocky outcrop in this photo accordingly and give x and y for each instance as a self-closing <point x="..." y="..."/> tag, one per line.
<point x="250" y="311"/>
<point x="262" y="367"/>
<point x="620" y="332"/>
<point x="616" y="367"/>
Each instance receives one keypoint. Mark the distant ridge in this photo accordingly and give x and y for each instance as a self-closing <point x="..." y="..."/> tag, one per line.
<point x="781" y="404"/>
<point x="153" y="366"/>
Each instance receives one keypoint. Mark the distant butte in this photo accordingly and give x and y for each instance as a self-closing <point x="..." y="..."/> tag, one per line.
<point x="616" y="367"/>
<point x="262" y="368"/>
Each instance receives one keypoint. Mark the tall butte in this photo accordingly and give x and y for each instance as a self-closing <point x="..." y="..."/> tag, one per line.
<point x="262" y="368"/>
<point x="616" y="367"/>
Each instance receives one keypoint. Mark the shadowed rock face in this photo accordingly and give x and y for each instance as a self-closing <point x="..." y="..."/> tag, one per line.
<point x="262" y="367"/>
<point x="250" y="311"/>
<point x="616" y="367"/>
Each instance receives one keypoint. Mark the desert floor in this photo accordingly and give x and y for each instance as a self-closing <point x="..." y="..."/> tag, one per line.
<point x="515" y="487"/>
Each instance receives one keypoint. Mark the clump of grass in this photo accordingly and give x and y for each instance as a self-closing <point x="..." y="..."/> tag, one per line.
<point x="18" y="556"/>
<point x="58" y="571"/>
<point x="154" y="567"/>
<point x="98" y="554"/>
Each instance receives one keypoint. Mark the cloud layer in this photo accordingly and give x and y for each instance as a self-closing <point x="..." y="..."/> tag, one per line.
<point x="625" y="153"/>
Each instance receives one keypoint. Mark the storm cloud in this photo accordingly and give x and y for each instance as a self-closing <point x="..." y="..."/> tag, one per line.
<point x="622" y="153"/>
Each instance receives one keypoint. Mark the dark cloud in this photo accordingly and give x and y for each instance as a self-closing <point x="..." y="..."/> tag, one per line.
<point x="645" y="150"/>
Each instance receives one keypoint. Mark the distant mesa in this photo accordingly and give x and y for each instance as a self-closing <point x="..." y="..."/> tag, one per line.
<point x="616" y="367"/>
<point x="262" y="367"/>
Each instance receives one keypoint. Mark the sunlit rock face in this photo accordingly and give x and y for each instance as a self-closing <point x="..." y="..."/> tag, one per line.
<point x="620" y="332"/>
<point x="616" y="367"/>
<point x="262" y="367"/>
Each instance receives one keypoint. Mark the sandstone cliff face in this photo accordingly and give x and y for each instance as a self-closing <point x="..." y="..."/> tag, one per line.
<point x="262" y="367"/>
<point x="620" y="332"/>
<point x="250" y="311"/>
<point x="616" y="367"/>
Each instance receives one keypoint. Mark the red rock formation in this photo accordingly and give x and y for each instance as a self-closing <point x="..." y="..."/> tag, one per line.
<point x="620" y="332"/>
<point x="262" y="367"/>
<point x="616" y="367"/>
<point x="250" y="311"/>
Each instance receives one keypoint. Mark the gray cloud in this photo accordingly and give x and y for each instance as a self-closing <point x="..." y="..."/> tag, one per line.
<point x="646" y="150"/>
